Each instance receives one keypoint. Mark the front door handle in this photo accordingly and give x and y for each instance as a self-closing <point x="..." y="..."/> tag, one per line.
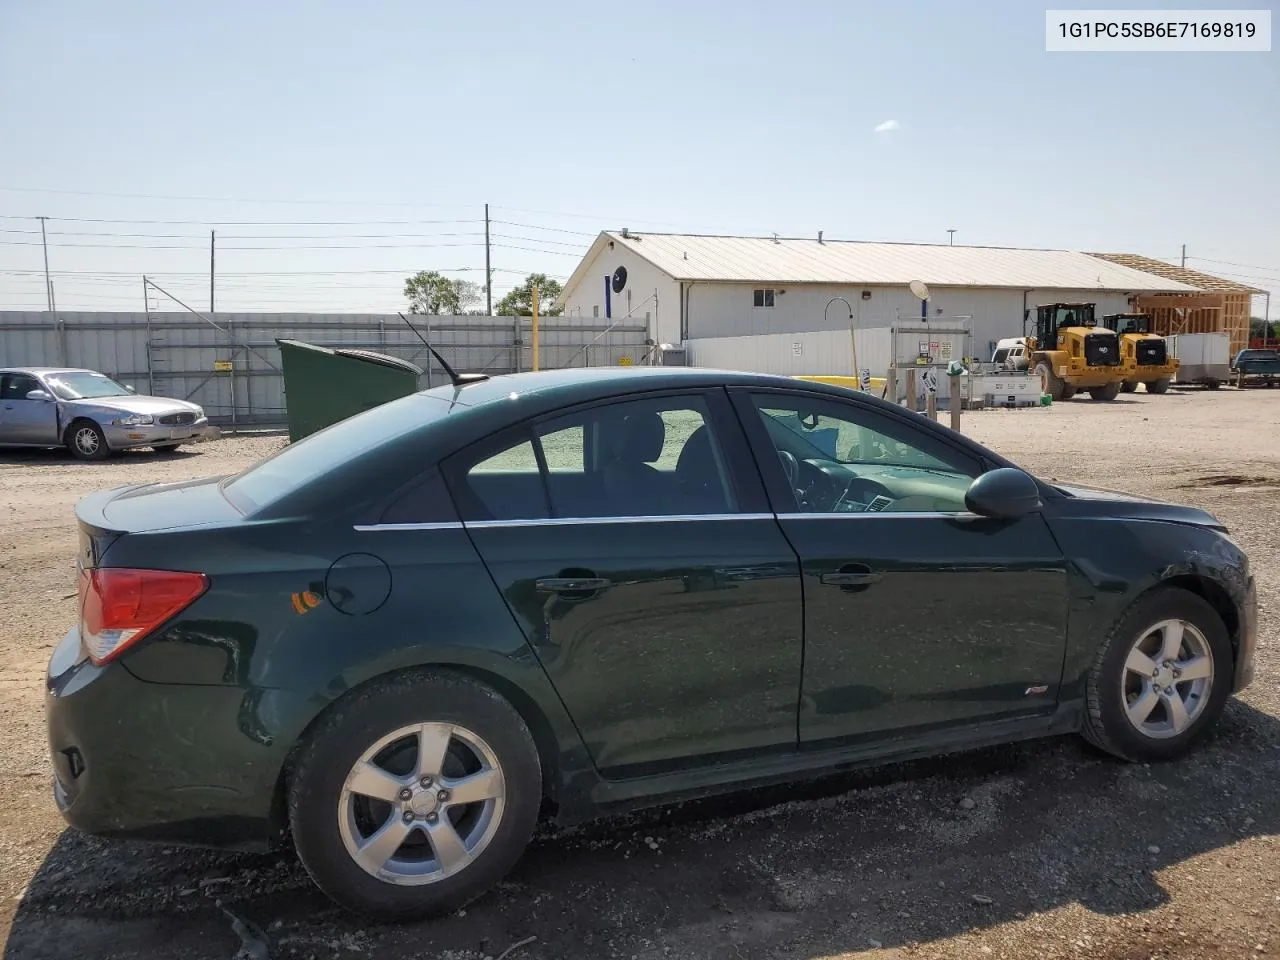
<point x="852" y="577"/>
<point x="572" y="584"/>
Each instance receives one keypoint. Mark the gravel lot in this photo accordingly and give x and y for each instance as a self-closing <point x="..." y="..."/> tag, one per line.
<point x="1035" y="850"/>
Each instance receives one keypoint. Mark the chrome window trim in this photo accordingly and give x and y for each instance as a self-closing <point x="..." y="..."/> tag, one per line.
<point x="578" y="521"/>
<point x="673" y="518"/>
<point x="560" y="522"/>
<point x="903" y="514"/>
<point x="379" y="527"/>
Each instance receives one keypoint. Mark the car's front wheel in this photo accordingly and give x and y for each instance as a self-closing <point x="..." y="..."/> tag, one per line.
<point x="1161" y="678"/>
<point x="415" y="795"/>
<point x="86" y="441"/>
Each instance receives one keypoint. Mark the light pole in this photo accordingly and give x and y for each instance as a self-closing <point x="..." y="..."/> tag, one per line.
<point x="952" y="237"/>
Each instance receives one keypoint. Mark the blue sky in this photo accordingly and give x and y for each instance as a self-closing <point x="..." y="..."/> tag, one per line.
<point x="711" y="117"/>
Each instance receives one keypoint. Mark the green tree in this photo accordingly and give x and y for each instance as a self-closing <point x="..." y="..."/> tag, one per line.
<point x="519" y="302"/>
<point x="430" y="292"/>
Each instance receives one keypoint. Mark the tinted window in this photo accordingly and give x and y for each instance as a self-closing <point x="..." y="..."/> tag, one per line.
<point x="300" y="463"/>
<point x="16" y="386"/>
<point x="508" y="485"/>
<point x="657" y="457"/>
<point x="425" y="501"/>
<point x="823" y="445"/>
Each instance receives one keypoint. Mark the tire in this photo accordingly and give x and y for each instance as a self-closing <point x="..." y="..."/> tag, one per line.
<point x="1049" y="382"/>
<point x="1068" y="391"/>
<point x="1112" y="689"/>
<point x="377" y="723"/>
<point x="1212" y="384"/>
<point x="1158" y="386"/>
<point x="1129" y="386"/>
<point x="1109" y="392"/>
<point x="86" y="441"/>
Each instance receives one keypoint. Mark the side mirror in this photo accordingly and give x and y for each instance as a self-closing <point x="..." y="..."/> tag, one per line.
<point x="1003" y="494"/>
<point x="39" y="395"/>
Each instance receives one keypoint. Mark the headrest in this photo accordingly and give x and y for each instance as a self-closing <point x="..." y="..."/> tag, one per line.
<point x="635" y="437"/>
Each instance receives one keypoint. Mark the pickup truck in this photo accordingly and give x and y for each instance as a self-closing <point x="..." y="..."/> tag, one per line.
<point x="1256" y="365"/>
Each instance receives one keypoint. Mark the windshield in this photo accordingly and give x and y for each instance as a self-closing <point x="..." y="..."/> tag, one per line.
<point x="84" y="385"/>
<point x="304" y="461"/>
<point x="1000" y="355"/>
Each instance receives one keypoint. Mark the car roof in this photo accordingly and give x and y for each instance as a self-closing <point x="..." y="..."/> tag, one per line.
<point x="588" y="382"/>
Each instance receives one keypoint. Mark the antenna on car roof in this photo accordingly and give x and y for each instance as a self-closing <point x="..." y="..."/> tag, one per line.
<point x="457" y="379"/>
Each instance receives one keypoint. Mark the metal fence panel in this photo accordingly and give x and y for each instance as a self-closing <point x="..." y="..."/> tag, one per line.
<point x="231" y="366"/>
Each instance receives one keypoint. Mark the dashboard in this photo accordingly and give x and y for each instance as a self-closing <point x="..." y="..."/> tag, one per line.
<point x="827" y="486"/>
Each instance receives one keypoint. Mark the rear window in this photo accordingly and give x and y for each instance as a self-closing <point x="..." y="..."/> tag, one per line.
<point x="300" y="463"/>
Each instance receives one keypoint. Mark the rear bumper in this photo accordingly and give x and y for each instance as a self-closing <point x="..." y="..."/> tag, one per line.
<point x="121" y="438"/>
<point x="1247" y="646"/>
<point x="156" y="761"/>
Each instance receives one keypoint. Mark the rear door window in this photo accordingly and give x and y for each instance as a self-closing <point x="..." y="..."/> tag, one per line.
<point x="637" y="458"/>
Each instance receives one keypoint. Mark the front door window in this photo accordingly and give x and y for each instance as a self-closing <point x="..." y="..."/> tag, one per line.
<point x="837" y="458"/>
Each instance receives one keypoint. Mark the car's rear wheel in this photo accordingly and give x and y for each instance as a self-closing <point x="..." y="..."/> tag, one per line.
<point x="1109" y="392"/>
<point x="1160" y="679"/>
<point x="415" y="796"/>
<point x="86" y="441"/>
<point x="1158" y="386"/>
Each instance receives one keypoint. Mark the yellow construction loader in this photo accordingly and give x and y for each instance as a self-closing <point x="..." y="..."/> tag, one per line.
<point x="1070" y="352"/>
<point x="1144" y="356"/>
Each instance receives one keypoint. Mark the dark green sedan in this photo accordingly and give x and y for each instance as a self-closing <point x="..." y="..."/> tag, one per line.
<point x="404" y="640"/>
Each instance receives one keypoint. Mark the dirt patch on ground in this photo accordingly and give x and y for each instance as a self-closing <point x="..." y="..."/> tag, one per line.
<point x="1231" y="480"/>
<point x="1034" y="850"/>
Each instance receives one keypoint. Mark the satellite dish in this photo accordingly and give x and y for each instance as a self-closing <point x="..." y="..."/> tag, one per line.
<point x="919" y="289"/>
<point x="619" y="279"/>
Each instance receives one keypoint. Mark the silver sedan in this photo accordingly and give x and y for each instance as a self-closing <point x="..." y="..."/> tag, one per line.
<point x="89" y="413"/>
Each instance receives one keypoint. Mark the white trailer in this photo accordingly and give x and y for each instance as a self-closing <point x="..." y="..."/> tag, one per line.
<point x="1203" y="358"/>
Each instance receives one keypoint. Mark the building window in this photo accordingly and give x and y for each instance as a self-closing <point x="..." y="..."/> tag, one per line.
<point x="595" y="310"/>
<point x="763" y="298"/>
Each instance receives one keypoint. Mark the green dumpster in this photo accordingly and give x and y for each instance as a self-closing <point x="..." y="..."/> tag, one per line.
<point x="323" y="386"/>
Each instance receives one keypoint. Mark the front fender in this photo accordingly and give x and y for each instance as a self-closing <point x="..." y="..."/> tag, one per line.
<point x="1112" y="562"/>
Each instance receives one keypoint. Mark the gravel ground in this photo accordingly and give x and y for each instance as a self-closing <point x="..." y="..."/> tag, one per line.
<point x="1035" y="850"/>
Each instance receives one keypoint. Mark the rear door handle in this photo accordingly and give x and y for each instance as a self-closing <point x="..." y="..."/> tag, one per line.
<point x="572" y="584"/>
<point x="851" y="577"/>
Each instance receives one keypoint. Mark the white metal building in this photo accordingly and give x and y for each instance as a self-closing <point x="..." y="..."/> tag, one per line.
<point x="689" y="288"/>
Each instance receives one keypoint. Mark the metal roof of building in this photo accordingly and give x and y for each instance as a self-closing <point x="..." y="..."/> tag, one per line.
<point x="1201" y="281"/>
<point x="789" y="260"/>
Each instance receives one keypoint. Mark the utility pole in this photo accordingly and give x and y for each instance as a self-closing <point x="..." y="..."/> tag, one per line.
<point x="48" y="284"/>
<point x="1184" y="256"/>
<point x="212" y="235"/>
<point x="952" y="235"/>
<point x="488" y="274"/>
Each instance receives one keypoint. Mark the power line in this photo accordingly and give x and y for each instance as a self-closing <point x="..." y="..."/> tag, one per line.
<point x="403" y="271"/>
<point x="241" y="223"/>
<point x="534" y="226"/>
<point x="164" y="196"/>
<point x="1230" y="263"/>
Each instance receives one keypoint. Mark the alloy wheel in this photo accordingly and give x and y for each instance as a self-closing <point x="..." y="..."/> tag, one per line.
<point x="421" y="804"/>
<point x="1167" y="677"/>
<point x="86" y="441"/>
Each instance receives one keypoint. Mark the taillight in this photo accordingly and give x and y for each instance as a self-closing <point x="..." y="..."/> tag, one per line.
<point x="119" y="606"/>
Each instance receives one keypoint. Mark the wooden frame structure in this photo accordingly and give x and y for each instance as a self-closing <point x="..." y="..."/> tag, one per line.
<point x="1174" y="313"/>
<point x="1219" y="306"/>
